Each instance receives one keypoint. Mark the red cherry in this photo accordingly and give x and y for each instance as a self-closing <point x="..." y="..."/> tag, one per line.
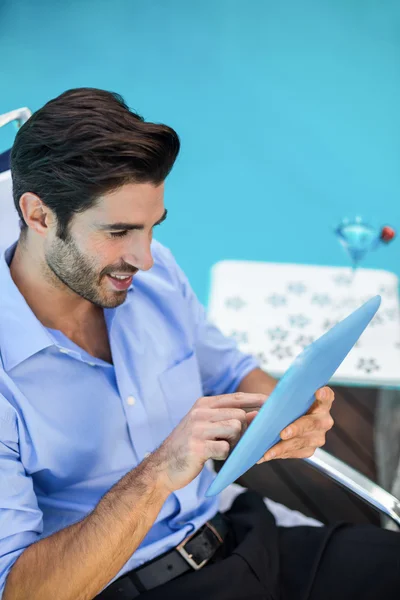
<point x="387" y="234"/>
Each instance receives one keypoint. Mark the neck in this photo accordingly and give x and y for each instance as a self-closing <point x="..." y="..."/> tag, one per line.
<point x="53" y="303"/>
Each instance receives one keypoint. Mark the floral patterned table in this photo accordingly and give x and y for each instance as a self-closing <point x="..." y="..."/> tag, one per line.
<point x="275" y="310"/>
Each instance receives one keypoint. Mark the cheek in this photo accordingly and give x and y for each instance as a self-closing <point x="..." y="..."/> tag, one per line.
<point x="99" y="252"/>
<point x="106" y="252"/>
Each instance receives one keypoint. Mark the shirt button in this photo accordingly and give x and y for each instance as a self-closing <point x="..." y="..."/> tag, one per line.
<point x="92" y="364"/>
<point x="64" y="350"/>
<point x="130" y="400"/>
<point x="147" y="454"/>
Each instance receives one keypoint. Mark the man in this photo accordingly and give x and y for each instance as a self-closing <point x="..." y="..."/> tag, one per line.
<point x="115" y="391"/>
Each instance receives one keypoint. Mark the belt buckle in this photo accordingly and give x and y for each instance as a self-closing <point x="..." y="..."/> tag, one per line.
<point x="189" y="557"/>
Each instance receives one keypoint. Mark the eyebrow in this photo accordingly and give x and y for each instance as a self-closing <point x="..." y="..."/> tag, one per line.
<point x="130" y="226"/>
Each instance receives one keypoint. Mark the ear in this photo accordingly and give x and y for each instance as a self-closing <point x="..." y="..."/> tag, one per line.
<point x="36" y="214"/>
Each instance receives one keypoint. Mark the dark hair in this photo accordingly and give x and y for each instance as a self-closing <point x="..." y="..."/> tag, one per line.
<point x="84" y="143"/>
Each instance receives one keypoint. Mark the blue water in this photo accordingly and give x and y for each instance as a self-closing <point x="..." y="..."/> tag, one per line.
<point x="288" y="112"/>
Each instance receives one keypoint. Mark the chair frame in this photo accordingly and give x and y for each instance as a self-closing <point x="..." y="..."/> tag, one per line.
<point x="20" y="115"/>
<point x="356" y="483"/>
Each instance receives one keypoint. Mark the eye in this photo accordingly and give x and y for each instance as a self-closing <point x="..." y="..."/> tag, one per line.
<point x="118" y="233"/>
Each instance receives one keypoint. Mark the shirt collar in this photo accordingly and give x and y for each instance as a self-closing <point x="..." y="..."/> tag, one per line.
<point x="21" y="334"/>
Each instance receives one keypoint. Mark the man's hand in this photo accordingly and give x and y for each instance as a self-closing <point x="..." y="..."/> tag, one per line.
<point x="304" y="436"/>
<point x="210" y="430"/>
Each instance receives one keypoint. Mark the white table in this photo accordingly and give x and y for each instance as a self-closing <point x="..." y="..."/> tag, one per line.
<point x="275" y="310"/>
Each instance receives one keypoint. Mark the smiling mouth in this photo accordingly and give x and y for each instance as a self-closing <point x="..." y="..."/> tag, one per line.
<point x="121" y="277"/>
<point x="120" y="281"/>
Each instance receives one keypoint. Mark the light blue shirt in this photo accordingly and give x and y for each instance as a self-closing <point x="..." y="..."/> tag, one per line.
<point x="72" y="425"/>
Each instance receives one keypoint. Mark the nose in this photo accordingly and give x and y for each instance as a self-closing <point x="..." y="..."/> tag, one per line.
<point x="146" y="262"/>
<point x="141" y="257"/>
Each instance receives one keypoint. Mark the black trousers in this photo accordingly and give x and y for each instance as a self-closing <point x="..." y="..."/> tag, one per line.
<point x="261" y="561"/>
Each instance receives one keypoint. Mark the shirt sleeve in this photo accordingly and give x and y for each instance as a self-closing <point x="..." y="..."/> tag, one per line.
<point x="21" y="520"/>
<point x="222" y="365"/>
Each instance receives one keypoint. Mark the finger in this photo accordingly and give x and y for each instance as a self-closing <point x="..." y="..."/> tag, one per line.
<point x="231" y="431"/>
<point x="225" y="414"/>
<point x="308" y="424"/>
<point x="293" y="448"/>
<point x="238" y="400"/>
<point x="248" y="409"/>
<point x="325" y="393"/>
<point x="250" y="416"/>
<point x="305" y="452"/>
<point x="218" y="450"/>
<point x="324" y="398"/>
<point x="284" y="449"/>
<point x="298" y="428"/>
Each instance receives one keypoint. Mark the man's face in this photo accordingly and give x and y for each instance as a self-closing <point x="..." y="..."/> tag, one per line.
<point x="108" y="243"/>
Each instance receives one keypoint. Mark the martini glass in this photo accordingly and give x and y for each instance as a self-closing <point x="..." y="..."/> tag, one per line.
<point x="359" y="238"/>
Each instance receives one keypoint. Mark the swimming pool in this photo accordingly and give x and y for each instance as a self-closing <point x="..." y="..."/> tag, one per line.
<point x="287" y="111"/>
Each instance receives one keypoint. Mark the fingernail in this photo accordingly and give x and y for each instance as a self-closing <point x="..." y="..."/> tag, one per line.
<point x="270" y="455"/>
<point x="322" y="394"/>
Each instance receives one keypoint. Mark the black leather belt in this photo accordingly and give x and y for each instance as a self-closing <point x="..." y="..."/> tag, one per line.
<point x="191" y="555"/>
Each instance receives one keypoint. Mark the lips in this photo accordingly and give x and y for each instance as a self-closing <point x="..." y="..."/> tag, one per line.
<point x="120" y="283"/>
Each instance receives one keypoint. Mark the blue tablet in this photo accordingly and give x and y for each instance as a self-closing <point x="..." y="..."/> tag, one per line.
<point x="294" y="393"/>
